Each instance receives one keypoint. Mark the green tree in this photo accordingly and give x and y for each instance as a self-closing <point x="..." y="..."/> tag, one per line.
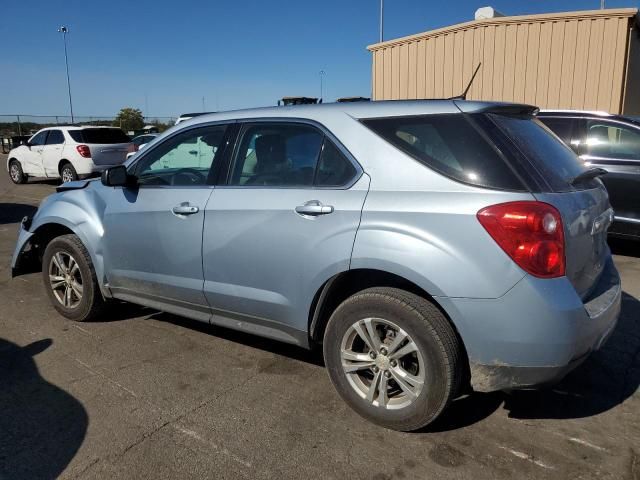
<point x="129" y="119"/>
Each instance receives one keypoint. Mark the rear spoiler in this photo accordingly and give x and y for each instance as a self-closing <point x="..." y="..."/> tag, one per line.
<point x="499" y="108"/>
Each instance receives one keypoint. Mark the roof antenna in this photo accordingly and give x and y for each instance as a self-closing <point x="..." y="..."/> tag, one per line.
<point x="466" y="90"/>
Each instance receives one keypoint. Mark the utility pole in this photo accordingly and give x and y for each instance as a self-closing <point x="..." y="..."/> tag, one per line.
<point x="382" y="20"/>
<point x="204" y="108"/>
<point x="321" y="73"/>
<point x="64" y="30"/>
<point x="601" y="4"/>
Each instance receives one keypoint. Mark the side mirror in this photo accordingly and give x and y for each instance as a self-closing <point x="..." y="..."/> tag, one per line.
<point x="116" y="177"/>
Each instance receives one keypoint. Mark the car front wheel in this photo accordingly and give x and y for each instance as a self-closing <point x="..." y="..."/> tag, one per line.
<point x="70" y="279"/>
<point x="393" y="357"/>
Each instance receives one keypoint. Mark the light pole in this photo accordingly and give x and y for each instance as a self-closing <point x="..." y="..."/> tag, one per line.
<point x="321" y="73"/>
<point x="64" y="30"/>
<point x="381" y="21"/>
<point x="602" y="4"/>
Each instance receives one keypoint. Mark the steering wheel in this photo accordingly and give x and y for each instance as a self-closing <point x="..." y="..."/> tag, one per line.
<point x="189" y="176"/>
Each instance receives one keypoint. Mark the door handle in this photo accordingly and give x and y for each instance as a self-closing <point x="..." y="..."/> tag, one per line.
<point x="313" y="208"/>
<point x="185" y="209"/>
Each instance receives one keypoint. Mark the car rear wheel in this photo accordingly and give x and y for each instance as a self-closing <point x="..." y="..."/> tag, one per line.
<point x="16" y="173"/>
<point x="70" y="279"/>
<point x="393" y="357"/>
<point x="68" y="173"/>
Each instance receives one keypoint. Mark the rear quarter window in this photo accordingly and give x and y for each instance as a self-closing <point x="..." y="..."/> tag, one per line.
<point x="451" y="145"/>
<point x="99" y="136"/>
<point x="554" y="160"/>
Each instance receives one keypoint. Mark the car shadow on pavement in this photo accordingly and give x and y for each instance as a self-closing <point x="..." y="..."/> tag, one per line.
<point x="13" y="212"/>
<point x="41" y="425"/>
<point x="313" y="356"/>
<point x="606" y="379"/>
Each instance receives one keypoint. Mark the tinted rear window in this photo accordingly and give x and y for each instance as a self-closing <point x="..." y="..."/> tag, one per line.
<point x="99" y="135"/>
<point x="555" y="161"/>
<point x="451" y="145"/>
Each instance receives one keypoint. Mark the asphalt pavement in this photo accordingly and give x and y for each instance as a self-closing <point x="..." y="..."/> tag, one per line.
<point x="143" y="394"/>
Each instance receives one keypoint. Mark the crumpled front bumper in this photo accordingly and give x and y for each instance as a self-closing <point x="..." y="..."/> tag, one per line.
<point x="18" y="260"/>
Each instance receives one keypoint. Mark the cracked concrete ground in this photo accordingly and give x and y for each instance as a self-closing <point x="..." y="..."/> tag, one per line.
<point x="150" y="395"/>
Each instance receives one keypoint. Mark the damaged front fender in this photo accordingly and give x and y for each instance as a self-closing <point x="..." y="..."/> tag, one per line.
<point x="22" y="255"/>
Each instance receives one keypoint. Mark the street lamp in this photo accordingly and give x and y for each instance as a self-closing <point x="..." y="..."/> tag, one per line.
<point x="381" y="21"/>
<point x="321" y="73"/>
<point x="64" y="30"/>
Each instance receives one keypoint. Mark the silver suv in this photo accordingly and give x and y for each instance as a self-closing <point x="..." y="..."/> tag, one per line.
<point x="429" y="246"/>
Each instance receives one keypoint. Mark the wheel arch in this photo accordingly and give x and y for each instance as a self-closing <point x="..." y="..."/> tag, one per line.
<point x="28" y="256"/>
<point x="61" y="163"/>
<point x="342" y="285"/>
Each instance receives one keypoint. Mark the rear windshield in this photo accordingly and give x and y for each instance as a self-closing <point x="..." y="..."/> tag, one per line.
<point x="555" y="161"/>
<point x="99" y="135"/>
<point x="451" y="145"/>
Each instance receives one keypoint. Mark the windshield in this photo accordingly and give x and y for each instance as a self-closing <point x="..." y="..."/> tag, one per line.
<point x="555" y="161"/>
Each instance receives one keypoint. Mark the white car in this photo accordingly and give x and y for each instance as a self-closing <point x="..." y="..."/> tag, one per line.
<point x="140" y="142"/>
<point x="68" y="153"/>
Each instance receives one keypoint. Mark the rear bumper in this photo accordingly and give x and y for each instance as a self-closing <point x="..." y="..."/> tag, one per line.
<point x="90" y="168"/>
<point x="537" y="332"/>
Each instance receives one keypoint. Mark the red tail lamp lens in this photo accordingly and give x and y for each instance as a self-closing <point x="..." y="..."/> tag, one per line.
<point x="84" y="151"/>
<point x="531" y="233"/>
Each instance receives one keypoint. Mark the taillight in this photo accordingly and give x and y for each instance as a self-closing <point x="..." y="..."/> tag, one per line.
<point x="531" y="233"/>
<point x="84" y="151"/>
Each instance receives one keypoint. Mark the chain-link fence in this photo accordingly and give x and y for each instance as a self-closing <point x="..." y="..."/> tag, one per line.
<point x="12" y="125"/>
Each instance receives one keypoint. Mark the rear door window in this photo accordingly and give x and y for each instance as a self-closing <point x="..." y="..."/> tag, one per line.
<point x="277" y="155"/>
<point x="55" y="137"/>
<point x="101" y="136"/>
<point x="334" y="169"/>
<point x="554" y="160"/>
<point x="451" y="145"/>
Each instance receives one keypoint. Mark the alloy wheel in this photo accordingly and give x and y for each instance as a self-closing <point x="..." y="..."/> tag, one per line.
<point x="382" y="363"/>
<point x="14" y="171"/>
<point x="67" y="175"/>
<point x="65" y="279"/>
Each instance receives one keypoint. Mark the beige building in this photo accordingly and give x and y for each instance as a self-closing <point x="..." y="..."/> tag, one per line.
<point x="587" y="60"/>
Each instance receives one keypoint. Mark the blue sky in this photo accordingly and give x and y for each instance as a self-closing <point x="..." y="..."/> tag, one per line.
<point x="235" y="53"/>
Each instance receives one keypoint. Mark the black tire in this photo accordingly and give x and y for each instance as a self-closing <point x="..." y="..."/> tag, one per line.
<point x="437" y="345"/>
<point x="91" y="303"/>
<point x="15" y="172"/>
<point x="67" y="171"/>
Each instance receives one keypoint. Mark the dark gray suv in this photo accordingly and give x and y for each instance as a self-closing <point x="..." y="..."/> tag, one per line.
<point x="613" y="143"/>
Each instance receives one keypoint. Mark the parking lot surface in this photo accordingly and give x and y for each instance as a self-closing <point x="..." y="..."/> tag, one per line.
<point x="144" y="394"/>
